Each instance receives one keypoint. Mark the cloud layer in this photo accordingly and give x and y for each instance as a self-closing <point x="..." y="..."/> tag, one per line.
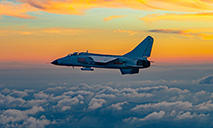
<point x="76" y="7"/>
<point x="189" y="33"/>
<point x="17" y="10"/>
<point x="206" y="80"/>
<point x="140" y="106"/>
<point x="194" y="17"/>
<point x="113" y="17"/>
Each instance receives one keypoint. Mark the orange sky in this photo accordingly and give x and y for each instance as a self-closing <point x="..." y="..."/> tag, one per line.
<point x="40" y="31"/>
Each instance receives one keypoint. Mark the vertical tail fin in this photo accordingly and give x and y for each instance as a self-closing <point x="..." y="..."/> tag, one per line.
<point x="143" y="49"/>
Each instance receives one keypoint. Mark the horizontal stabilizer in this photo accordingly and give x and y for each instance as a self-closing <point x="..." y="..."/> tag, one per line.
<point x="129" y="71"/>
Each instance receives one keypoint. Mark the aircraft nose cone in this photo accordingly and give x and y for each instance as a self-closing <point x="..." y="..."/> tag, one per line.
<point x="55" y="62"/>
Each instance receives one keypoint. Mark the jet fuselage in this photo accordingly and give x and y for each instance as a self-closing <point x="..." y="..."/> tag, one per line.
<point x="84" y="60"/>
<point x="129" y="63"/>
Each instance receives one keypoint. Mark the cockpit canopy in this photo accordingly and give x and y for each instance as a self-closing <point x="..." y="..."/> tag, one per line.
<point x="75" y="54"/>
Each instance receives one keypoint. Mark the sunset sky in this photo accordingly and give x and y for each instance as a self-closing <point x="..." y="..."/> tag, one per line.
<point x="42" y="30"/>
<point x="175" y="92"/>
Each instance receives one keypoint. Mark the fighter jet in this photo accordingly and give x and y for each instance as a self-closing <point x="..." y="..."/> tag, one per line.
<point x="129" y="63"/>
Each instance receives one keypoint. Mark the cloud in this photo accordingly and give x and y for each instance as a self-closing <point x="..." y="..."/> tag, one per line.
<point x="86" y="94"/>
<point x="178" y="105"/>
<point x="29" y="90"/>
<point x="74" y="31"/>
<point x="16" y="10"/>
<point x="7" y="32"/>
<point x="14" y="115"/>
<point x="76" y="7"/>
<point x="32" y="122"/>
<point x="117" y="106"/>
<point x="151" y="116"/>
<point x="158" y="82"/>
<point x="129" y="92"/>
<point x="189" y="115"/>
<point x="161" y="88"/>
<point x="16" y="93"/>
<point x="96" y="103"/>
<point x="113" y="17"/>
<point x="206" y="80"/>
<point x="67" y="102"/>
<point x="61" y="7"/>
<point x="109" y="90"/>
<point x="50" y="31"/>
<point x="80" y="97"/>
<point x="86" y="87"/>
<point x="65" y="108"/>
<point x="130" y="32"/>
<point x="195" y="17"/>
<point x="41" y="95"/>
<point x="105" y="96"/>
<point x="154" y="116"/>
<point x="9" y="101"/>
<point x="205" y="105"/>
<point x="189" y="33"/>
<point x="206" y="36"/>
<point x="62" y="31"/>
<point x="5" y="91"/>
<point x="53" y="98"/>
<point x="143" y="94"/>
<point x="200" y="93"/>
<point x="31" y="103"/>
<point x="162" y="114"/>
<point x="169" y="31"/>
<point x="55" y="89"/>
